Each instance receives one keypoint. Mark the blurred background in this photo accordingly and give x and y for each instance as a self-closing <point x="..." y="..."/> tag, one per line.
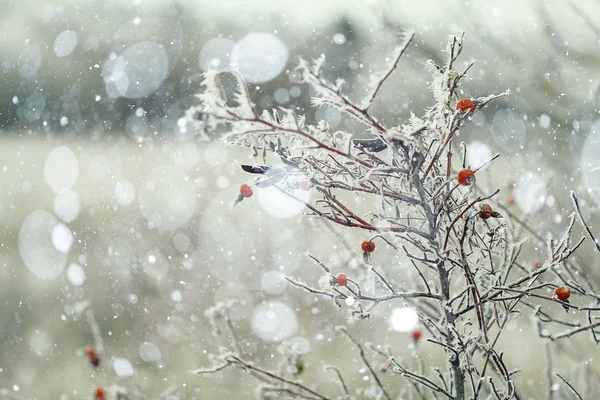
<point x="117" y="229"/>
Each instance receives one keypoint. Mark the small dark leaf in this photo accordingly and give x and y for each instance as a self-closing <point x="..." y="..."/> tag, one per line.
<point x="565" y="306"/>
<point x="374" y="145"/>
<point x="255" y="169"/>
<point x="238" y="199"/>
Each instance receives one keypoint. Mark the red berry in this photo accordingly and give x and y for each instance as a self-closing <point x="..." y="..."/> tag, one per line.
<point x="466" y="177"/>
<point x="92" y="356"/>
<point x="305" y="185"/>
<point x="416" y="334"/>
<point x="562" y="293"/>
<point x="368" y="246"/>
<point x="511" y="201"/>
<point x="538" y="264"/>
<point x="486" y="211"/>
<point x="342" y="280"/>
<point x="246" y="191"/>
<point x="99" y="393"/>
<point x="465" y="104"/>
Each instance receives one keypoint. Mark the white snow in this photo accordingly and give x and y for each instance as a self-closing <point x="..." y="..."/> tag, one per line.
<point x="299" y="344"/>
<point x="331" y="115"/>
<point x="167" y="198"/>
<point x="137" y="72"/>
<point x="509" y="130"/>
<point x="240" y="295"/>
<point x="61" y="169"/>
<point x="62" y="238"/>
<point x="181" y="241"/>
<point x="124" y="193"/>
<point x="589" y="162"/>
<point x="281" y="96"/>
<point x="404" y="319"/>
<point x="137" y="126"/>
<point x="67" y="205"/>
<point x="30" y="61"/>
<point x="122" y="367"/>
<point x="216" y="154"/>
<point x="477" y="154"/>
<point x="279" y="205"/>
<point x="222" y="182"/>
<point x="273" y="283"/>
<point x="274" y="321"/>
<point x="36" y="247"/>
<point x="155" y="265"/>
<point x="530" y="192"/>
<point x="185" y="156"/>
<point x="99" y="167"/>
<point x="215" y="54"/>
<point x="65" y="43"/>
<point x="76" y="274"/>
<point x="259" y="57"/>
<point x="339" y="38"/>
<point x="34" y="107"/>
<point x="544" y="121"/>
<point x="149" y="352"/>
<point x="176" y="296"/>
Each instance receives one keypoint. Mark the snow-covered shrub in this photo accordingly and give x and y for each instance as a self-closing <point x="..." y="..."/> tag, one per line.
<point x="467" y="280"/>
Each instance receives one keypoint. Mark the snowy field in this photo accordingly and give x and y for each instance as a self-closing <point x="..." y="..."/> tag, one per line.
<point x="117" y="226"/>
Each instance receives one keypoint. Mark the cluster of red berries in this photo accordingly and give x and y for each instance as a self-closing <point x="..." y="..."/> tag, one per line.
<point x="93" y="358"/>
<point x="466" y="176"/>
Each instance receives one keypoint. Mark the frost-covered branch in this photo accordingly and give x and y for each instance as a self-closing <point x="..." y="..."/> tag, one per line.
<point x="464" y="247"/>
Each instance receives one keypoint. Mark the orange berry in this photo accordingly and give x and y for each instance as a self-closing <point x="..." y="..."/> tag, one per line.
<point x="92" y="356"/>
<point x="246" y="191"/>
<point x="368" y="246"/>
<point x="342" y="280"/>
<point x="99" y="393"/>
<point x="465" y="104"/>
<point x="416" y="334"/>
<point x="486" y="211"/>
<point x="562" y="293"/>
<point x="466" y="177"/>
